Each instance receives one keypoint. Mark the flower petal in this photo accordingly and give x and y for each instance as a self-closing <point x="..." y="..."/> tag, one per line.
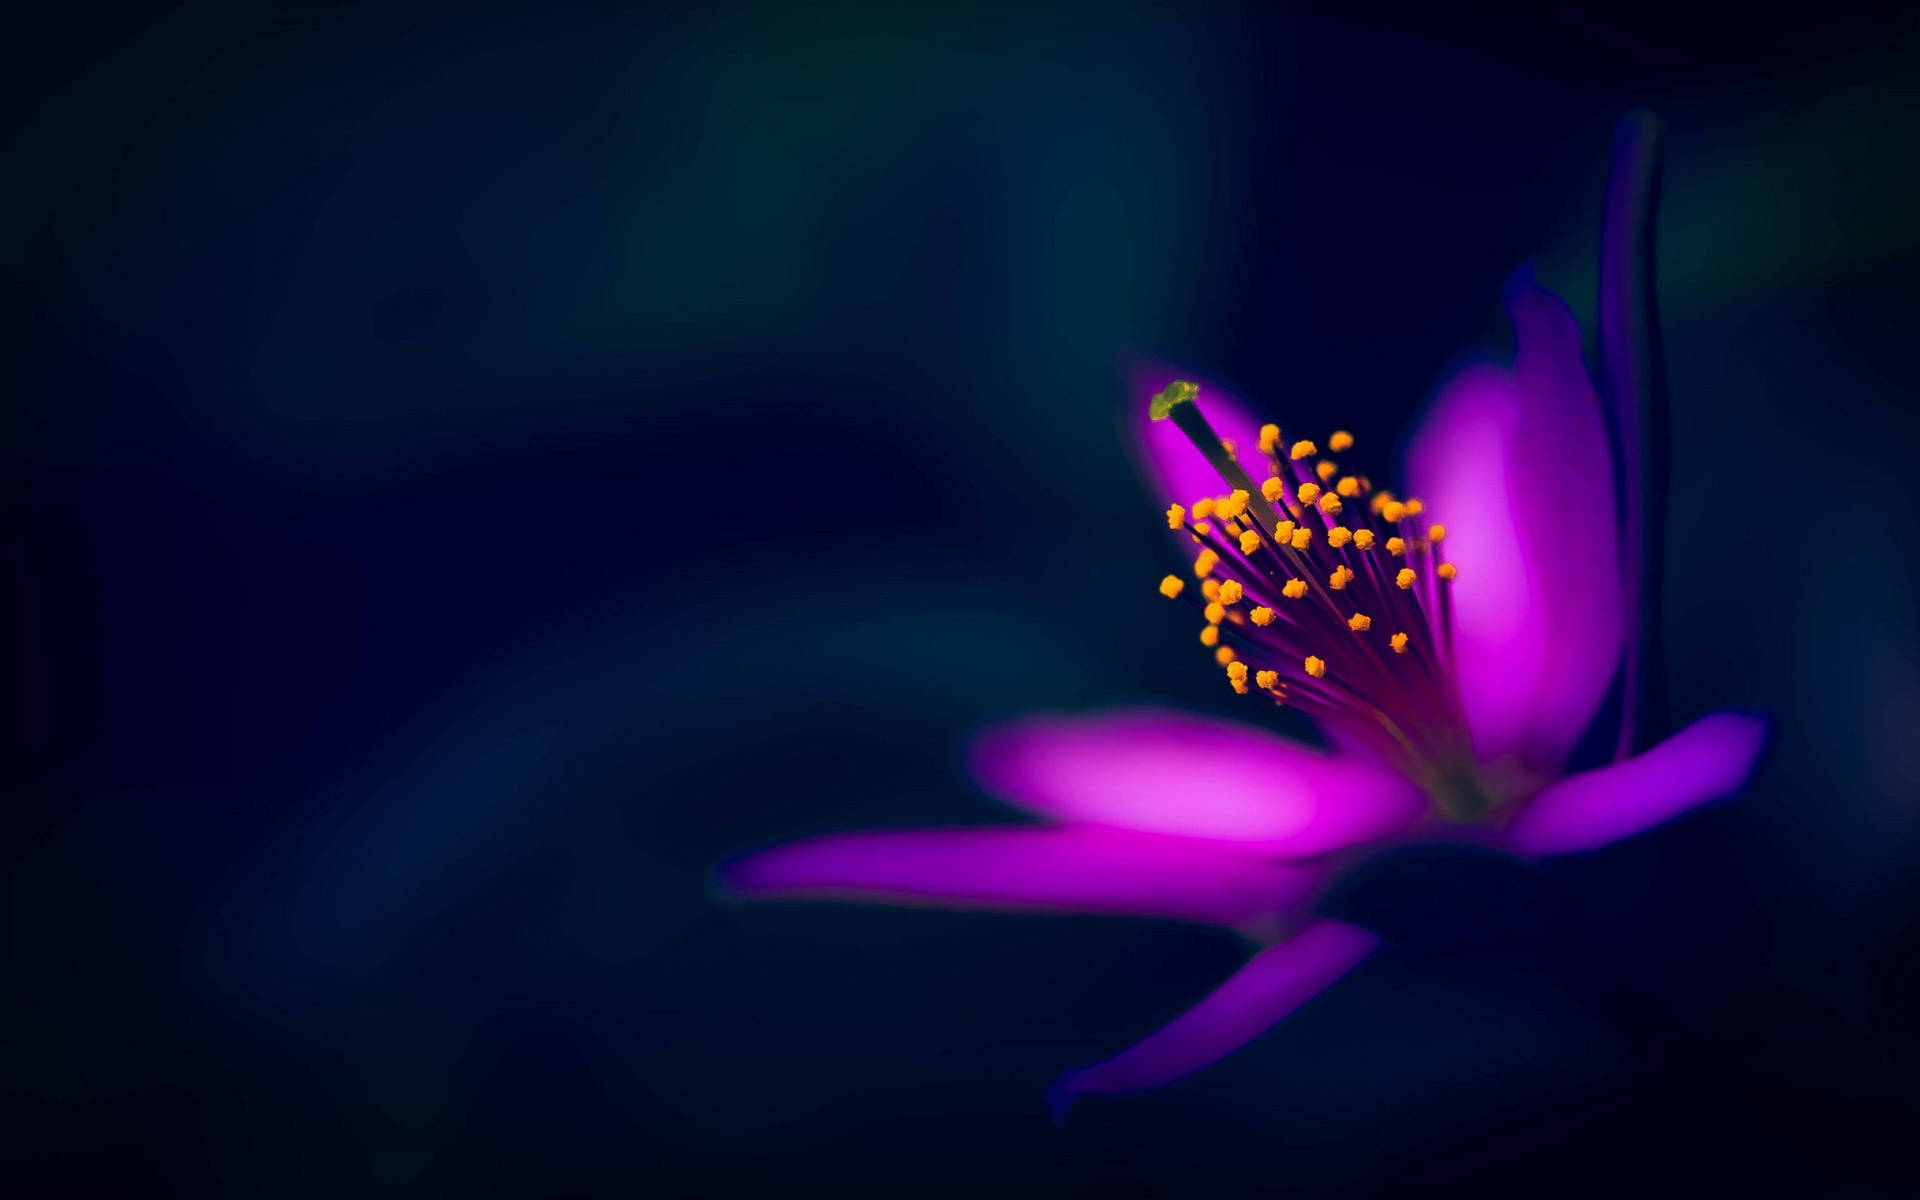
<point x="1173" y="773"/>
<point x="1515" y="463"/>
<point x="1274" y="982"/>
<point x="1058" y="870"/>
<point x="1177" y="472"/>
<point x="1707" y="760"/>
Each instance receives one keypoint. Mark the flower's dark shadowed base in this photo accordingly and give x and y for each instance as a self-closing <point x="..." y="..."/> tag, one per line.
<point x="476" y="467"/>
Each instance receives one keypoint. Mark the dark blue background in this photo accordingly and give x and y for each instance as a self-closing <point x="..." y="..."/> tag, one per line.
<point x="470" y="468"/>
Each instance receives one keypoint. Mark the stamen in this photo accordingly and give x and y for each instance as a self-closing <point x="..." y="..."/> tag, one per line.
<point x="1396" y="546"/>
<point x="1399" y="643"/>
<point x="1176" y="516"/>
<point x="1172" y="586"/>
<point x="1261" y="616"/>
<point x="1359" y="622"/>
<point x="1204" y="564"/>
<point x="1363" y="539"/>
<point x="1405" y="579"/>
<point x="1302" y="449"/>
<point x="1316" y="667"/>
<point x="1293" y="589"/>
<point x="1231" y="591"/>
<point x="1448" y="571"/>
<point x="1267" y="680"/>
<point x="1340" y="442"/>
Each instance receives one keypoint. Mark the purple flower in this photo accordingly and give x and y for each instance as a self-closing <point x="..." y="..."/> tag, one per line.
<point x="1454" y="646"/>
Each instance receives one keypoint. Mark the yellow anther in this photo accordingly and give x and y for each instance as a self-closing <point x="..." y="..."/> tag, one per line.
<point x="1176" y="516"/>
<point x="1269" y="438"/>
<point x="1340" y="578"/>
<point x="1348" y="486"/>
<point x="1392" y="511"/>
<point x="1203" y="565"/>
<point x="1262" y="615"/>
<point x="1231" y="591"/>
<point x="1339" y="536"/>
<point x="1273" y="489"/>
<point x="1307" y="492"/>
<point x="1267" y="680"/>
<point x="1414" y="508"/>
<point x="1363" y="539"/>
<point x="1301" y="539"/>
<point x="1216" y="612"/>
<point x="1293" y="589"/>
<point x="1396" y="546"/>
<point x="1203" y="508"/>
<point x="1448" y="571"/>
<point x="1302" y="449"/>
<point x="1315" y="667"/>
<point x="1249" y="541"/>
<point x="1236" y="670"/>
<point x="1210" y="588"/>
<point x="1239" y="686"/>
<point x="1231" y="506"/>
<point x="1340" y="442"/>
<point x="1232" y="529"/>
<point x="1223" y="655"/>
<point x="1405" y="579"/>
<point x="1203" y="528"/>
<point x="1330" y="504"/>
<point x="1436" y="533"/>
<point x="1399" y="643"/>
<point x="1325" y="469"/>
<point x="1232" y="450"/>
<point x="1359" y="622"/>
<point x="1172" y="586"/>
<point x="1210" y="636"/>
<point x="1283" y="531"/>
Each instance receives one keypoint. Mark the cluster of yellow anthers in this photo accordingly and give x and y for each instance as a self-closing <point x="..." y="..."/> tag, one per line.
<point x="1373" y="554"/>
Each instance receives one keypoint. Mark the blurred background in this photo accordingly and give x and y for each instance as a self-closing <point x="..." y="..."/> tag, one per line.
<point x="472" y="467"/>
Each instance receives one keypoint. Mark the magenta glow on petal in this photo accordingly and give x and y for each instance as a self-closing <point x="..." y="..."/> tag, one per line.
<point x="1172" y="773"/>
<point x="1707" y="760"/>
<point x="1516" y="464"/>
<point x="1274" y="983"/>
<point x="1175" y="470"/>
<point x="1051" y="870"/>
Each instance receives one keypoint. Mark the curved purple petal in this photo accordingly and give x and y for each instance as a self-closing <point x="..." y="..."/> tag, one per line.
<point x="1172" y="773"/>
<point x="1176" y="471"/>
<point x="1709" y="759"/>
<point x="1050" y="870"/>
<point x="1515" y="463"/>
<point x="1274" y="982"/>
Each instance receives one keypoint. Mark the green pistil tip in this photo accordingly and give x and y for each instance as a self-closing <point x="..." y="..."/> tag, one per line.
<point x="1178" y="392"/>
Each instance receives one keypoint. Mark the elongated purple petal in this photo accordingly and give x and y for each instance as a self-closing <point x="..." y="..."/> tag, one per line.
<point x="1274" y="982"/>
<point x="1173" y="773"/>
<point x="1634" y="385"/>
<point x="1515" y="463"/>
<point x="1709" y="759"/>
<point x="1175" y="470"/>
<point x="1051" y="870"/>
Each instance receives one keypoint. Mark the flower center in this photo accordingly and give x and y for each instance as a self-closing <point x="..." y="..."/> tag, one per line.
<point x="1323" y="593"/>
